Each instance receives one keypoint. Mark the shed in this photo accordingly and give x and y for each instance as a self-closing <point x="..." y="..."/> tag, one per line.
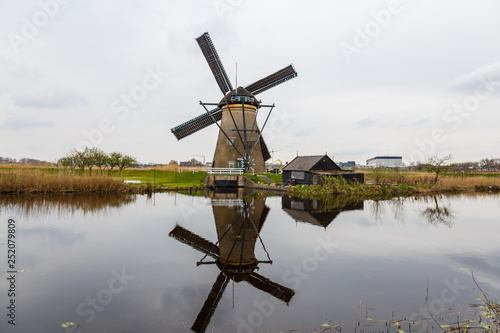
<point x="300" y="169"/>
<point x="308" y="170"/>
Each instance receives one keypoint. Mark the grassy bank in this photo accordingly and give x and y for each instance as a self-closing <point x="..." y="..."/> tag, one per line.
<point x="380" y="184"/>
<point x="54" y="180"/>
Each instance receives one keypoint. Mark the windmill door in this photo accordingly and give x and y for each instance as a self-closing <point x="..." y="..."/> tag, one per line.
<point x="239" y="163"/>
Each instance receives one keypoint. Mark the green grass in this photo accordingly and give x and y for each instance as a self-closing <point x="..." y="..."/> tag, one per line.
<point x="254" y="178"/>
<point x="276" y="177"/>
<point x="170" y="179"/>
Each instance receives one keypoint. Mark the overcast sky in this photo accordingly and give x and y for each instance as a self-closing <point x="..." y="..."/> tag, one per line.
<point x="409" y="78"/>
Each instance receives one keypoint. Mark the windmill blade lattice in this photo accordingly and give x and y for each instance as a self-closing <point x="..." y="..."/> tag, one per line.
<point x="199" y="243"/>
<point x="272" y="80"/>
<point x="272" y="288"/>
<point x="213" y="299"/>
<point x="196" y="124"/>
<point x="208" y="49"/>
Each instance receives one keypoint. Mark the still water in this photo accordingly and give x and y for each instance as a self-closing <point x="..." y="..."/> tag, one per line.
<point x="233" y="262"/>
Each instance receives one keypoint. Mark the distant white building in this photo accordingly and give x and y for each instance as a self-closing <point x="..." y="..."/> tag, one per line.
<point x="385" y="161"/>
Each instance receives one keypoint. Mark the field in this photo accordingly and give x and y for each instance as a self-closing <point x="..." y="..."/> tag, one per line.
<point x="169" y="179"/>
<point x="451" y="181"/>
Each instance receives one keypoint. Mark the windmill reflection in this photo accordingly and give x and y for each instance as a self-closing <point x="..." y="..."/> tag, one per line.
<point x="238" y="221"/>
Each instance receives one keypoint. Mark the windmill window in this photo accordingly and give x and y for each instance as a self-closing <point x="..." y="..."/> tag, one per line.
<point x="231" y="165"/>
<point x="231" y="142"/>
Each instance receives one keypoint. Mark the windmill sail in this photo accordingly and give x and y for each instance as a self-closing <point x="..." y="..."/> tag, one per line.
<point x="272" y="288"/>
<point x="199" y="243"/>
<point x="208" y="49"/>
<point x="272" y="80"/>
<point x="196" y="124"/>
<point x="208" y="309"/>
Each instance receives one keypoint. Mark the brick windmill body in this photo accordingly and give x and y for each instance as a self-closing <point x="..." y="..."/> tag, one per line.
<point x="240" y="143"/>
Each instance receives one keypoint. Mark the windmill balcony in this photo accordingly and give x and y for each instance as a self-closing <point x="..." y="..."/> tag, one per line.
<point x="225" y="171"/>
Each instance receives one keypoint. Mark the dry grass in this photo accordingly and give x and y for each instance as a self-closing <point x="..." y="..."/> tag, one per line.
<point x="36" y="181"/>
<point x="448" y="182"/>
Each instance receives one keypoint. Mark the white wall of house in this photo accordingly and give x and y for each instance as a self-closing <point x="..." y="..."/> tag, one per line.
<point x="385" y="161"/>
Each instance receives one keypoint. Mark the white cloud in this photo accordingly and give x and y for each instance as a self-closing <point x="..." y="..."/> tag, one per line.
<point x="471" y="80"/>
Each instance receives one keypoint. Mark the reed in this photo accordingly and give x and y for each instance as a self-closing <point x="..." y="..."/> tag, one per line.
<point x="449" y="182"/>
<point x="19" y="181"/>
<point x="381" y="184"/>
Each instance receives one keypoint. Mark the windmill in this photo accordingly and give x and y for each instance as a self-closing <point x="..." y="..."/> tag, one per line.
<point x="240" y="143"/>
<point x="238" y="223"/>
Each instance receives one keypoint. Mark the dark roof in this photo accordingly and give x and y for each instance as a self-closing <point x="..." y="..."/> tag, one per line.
<point x="242" y="92"/>
<point x="305" y="163"/>
<point x="386" y="158"/>
<point x="322" y="219"/>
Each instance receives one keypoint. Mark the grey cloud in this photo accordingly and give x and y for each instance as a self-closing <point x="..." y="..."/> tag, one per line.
<point x="364" y="123"/>
<point x="55" y="236"/>
<point x="24" y="123"/>
<point x="304" y="132"/>
<point x="414" y="124"/>
<point x="51" y="100"/>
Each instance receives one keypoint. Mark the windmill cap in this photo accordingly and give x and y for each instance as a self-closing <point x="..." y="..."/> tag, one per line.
<point x="243" y="95"/>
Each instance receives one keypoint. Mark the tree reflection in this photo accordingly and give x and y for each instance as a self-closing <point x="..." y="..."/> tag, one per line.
<point x="41" y="205"/>
<point x="438" y="215"/>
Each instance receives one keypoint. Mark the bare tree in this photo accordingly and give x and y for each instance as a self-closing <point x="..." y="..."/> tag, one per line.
<point x="79" y="160"/>
<point x="439" y="165"/>
<point x="101" y="160"/>
<point x="91" y="156"/>
<point x="67" y="162"/>
<point x="125" y="161"/>
<point x="112" y="160"/>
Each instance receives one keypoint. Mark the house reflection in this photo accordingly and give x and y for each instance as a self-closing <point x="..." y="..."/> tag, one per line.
<point x="317" y="212"/>
<point x="239" y="219"/>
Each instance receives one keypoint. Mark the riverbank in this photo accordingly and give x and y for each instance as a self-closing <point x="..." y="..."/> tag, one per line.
<point x="53" y="180"/>
<point x="384" y="184"/>
<point x="380" y="184"/>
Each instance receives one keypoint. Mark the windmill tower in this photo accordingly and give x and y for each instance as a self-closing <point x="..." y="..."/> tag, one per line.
<point x="240" y="143"/>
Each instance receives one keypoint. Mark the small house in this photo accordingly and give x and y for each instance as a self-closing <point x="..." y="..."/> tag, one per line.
<point x="309" y="170"/>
